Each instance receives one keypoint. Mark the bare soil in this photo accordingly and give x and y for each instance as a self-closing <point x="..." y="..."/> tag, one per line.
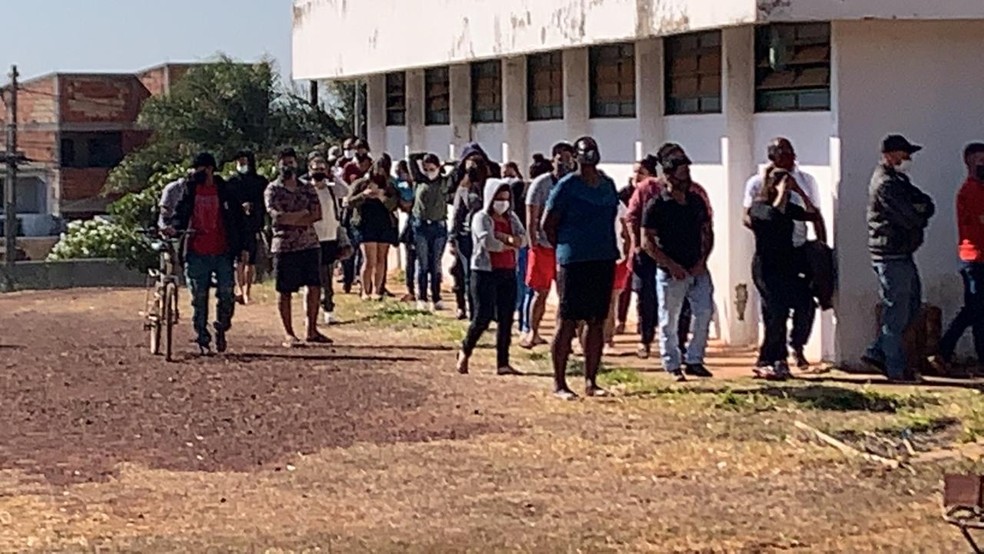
<point x="376" y="445"/>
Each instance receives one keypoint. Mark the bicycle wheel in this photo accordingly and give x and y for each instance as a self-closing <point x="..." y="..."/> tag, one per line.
<point x="154" y="324"/>
<point x="169" y="318"/>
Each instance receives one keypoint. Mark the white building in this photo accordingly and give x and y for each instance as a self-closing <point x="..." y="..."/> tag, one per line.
<point x="722" y="77"/>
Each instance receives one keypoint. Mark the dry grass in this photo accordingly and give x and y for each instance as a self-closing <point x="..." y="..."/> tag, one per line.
<point x="700" y="467"/>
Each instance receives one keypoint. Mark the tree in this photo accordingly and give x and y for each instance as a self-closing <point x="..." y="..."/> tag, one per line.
<point x="222" y="107"/>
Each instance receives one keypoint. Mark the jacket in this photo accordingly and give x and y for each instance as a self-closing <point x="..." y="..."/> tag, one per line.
<point x="483" y="229"/>
<point x="898" y="214"/>
<point x="229" y="209"/>
<point x="820" y="266"/>
<point x="249" y="187"/>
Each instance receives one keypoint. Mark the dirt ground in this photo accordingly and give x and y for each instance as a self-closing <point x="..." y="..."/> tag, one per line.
<point x="376" y="445"/>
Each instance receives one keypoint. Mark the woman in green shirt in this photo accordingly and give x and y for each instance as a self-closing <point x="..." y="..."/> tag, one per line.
<point x="430" y="226"/>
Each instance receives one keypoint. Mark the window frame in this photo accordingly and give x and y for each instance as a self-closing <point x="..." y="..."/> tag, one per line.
<point x="612" y="57"/>
<point x="436" y="79"/>
<point x="396" y="99"/>
<point x="548" y="66"/>
<point x="811" y="41"/>
<point x="486" y="91"/>
<point x="704" y="48"/>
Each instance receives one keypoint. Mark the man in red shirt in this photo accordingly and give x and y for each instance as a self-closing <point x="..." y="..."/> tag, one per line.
<point x="970" y="227"/>
<point x="210" y="211"/>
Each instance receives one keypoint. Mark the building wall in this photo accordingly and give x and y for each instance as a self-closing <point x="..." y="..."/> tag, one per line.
<point x="100" y="99"/>
<point x="826" y="10"/>
<point x="937" y="104"/>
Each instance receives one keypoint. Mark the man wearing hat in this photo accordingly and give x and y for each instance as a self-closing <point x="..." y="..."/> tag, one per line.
<point x="210" y="210"/>
<point x="898" y="214"/>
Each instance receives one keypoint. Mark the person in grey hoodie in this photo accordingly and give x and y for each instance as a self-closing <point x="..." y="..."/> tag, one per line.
<point x="898" y="214"/>
<point x="497" y="236"/>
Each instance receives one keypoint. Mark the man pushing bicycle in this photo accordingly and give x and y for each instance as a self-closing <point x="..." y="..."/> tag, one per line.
<point x="208" y="208"/>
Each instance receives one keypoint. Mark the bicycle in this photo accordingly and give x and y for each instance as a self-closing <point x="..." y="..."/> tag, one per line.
<point x="162" y="311"/>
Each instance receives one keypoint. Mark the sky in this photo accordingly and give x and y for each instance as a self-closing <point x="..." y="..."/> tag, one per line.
<point x="121" y="36"/>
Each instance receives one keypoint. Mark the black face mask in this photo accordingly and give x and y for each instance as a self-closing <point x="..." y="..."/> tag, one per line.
<point x="979" y="172"/>
<point x="199" y="177"/>
<point x="286" y="172"/>
<point x="319" y="176"/>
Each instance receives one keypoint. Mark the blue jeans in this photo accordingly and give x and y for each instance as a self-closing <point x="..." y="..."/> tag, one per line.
<point x="199" y="271"/>
<point x="522" y="290"/>
<point x="970" y="316"/>
<point x="430" y="238"/>
<point x="672" y="293"/>
<point x="901" y="299"/>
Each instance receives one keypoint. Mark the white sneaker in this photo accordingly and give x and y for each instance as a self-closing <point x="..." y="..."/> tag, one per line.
<point x="329" y="318"/>
<point x="438" y="306"/>
<point x="421" y="306"/>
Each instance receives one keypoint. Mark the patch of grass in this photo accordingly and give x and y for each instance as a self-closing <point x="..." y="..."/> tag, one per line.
<point x="621" y="376"/>
<point x="538" y="356"/>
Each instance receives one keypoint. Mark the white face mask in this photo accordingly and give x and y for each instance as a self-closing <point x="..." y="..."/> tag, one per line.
<point x="432" y="175"/>
<point x="501" y="206"/>
<point x="905" y="166"/>
<point x="242" y="168"/>
<point x="349" y="154"/>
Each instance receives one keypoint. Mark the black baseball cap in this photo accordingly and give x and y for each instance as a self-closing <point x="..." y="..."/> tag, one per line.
<point x="898" y="143"/>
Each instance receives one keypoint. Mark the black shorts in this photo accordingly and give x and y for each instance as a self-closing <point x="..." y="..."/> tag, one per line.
<point x="293" y="270"/>
<point x="586" y="290"/>
<point x="251" y="245"/>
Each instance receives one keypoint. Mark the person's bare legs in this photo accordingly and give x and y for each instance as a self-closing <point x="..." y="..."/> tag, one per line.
<point x="368" y="268"/>
<point x="312" y="300"/>
<point x="610" y="321"/>
<point x="561" y="352"/>
<point x="594" y="342"/>
<point x="249" y="274"/>
<point x="537" y="312"/>
<point x="379" y="273"/>
<point x="283" y="306"/>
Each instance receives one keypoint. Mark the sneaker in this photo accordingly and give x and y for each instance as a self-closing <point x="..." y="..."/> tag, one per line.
<point x="698" y="370"/>
<point x="801" y="362"/>
<point x="679" y="376"/>
<point x="220" y="342"/>
<point x="421" y="306"/>
<point x="764" y="372"/>
<point x="781" y="372"/>
<point x="643" y="352"/>
<point x="329" y="318"/>
<point x="438" y="306"/>
<point x="460" y="315"/>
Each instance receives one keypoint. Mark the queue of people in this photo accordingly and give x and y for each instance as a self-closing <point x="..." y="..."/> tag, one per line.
<point x="570" y="228"/>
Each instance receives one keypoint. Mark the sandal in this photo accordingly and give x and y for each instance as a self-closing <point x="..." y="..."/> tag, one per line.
<point x="594" y="391"/>
<point x="462" y="363"/>
<point x="319" y="339"/>
<point x="292" y="342"/>
<point x="507" y="371"/>
<point x="565" y="394"/>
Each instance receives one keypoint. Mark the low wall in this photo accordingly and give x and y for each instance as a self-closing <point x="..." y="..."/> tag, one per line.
<point x="69" y="274"/>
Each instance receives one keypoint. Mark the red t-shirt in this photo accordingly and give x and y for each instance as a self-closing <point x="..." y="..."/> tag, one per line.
<point x="507" y="258"/>
<point x="353" y="172"/>
<point x="209" y="236"/>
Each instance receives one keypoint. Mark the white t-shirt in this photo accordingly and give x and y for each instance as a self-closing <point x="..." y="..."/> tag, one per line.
<point x="619" y="238"/>
<point x="805" y="181"/>
<point x="327" y="228"/>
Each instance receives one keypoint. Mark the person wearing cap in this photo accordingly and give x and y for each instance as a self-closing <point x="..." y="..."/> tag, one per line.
<point x="580" y="223"/>
<point x="679" y="236"/>
<point x="782" y="155"/>
<point x="210" y="211"/>
<point x="249" y="187"/>
<point x="332" y="236"/>
<point x="294" y="208"/>
<point x="970" y="229"/>
<point x="898" y="214"/>
<point x="648" y="187"/>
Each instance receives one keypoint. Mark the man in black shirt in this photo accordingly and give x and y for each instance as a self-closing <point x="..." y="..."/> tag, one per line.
<point x="679" y="236"/>
<point x="248" y="187"/>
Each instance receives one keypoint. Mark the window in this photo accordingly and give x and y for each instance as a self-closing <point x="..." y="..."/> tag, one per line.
<point x="91" y="150"/>
<point x="693" y="73"/>
<point x="612" y="75"/>
<point x="545" y="86"/>
<point x="792" y="67"/>
<point x="437" y="96"/>
<point x="396" y="99"/>
<point x="486" y="92"/>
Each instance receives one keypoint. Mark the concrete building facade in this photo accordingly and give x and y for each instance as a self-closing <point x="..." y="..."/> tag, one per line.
<point x="721" y="78"/>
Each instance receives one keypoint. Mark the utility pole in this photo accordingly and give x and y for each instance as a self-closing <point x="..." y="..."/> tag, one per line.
<point x="10" y="187"/>
<point x="357" y="123"/>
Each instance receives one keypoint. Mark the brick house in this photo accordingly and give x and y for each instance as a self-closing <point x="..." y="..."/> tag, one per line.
<point x="74" y="128"/>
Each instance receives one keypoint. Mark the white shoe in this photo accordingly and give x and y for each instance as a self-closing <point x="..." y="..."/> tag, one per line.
<point x="329" y="318"/>
<point x="438" y="306"/>
<point x="421" y="306"/>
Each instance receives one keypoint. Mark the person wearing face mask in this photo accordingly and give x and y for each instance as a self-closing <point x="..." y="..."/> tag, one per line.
<point x="373" y="201"/>
<point x="898" y="214"/>
<point x="360" y="166"/>
<point x="511" y="173"/>
<point x="430" y="228"/>
<point x="643" y="266"/>
<point x="249" y="187"/>
<point x="294" y="208"/>
<point x="210" y="211"/>
<point x="346" y="156"/>
<point x="468" y="178"/>
<point x="497" y="236"/>
<point x="580" y="223"/>
<point x="332" y="236"/>
<point x="679" y="236"/>
<point x="541" y="267"/>
<point x="970" y="229"/>
<point x="404" y="185"/>
<point x="641" y="171"/>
